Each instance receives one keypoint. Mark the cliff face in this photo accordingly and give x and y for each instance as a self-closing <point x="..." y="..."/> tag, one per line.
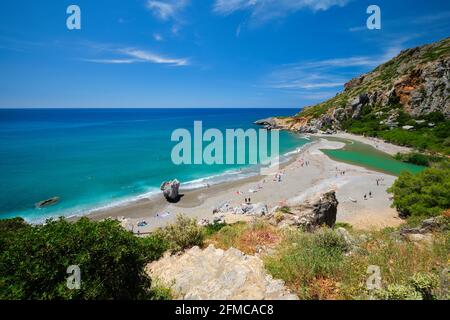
<point x="415" y="82"/>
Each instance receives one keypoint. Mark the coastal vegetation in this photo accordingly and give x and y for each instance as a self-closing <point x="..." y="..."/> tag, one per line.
<point x="426" y="194"/>
<point x="34" y="260"/>
<point x="327" y="264"/>
<point x="424" y="138"/>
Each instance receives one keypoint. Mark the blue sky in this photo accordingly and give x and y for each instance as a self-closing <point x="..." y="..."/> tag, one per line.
<point x="200" y="53"/>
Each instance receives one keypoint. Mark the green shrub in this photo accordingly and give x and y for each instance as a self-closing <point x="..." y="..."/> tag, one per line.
<point x="8" y="230"/>
<point x="302" y="258"/>
<point x="420" y="159"/>
<point x="425" y="284"/>
<point x="183" y="234"/>
<point x="414" y="158"/>
<point x="154" y="246"/>
<point x="212" y="229"/>
<point x="160" y="292"/>
<point x="397" y="292"/>
<point x="425" y="194"/>
<point x="34" y="262"/>
<point x="421" y="286"/>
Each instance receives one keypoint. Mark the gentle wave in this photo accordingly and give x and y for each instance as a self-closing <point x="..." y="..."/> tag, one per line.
<point x="227" y="176"/>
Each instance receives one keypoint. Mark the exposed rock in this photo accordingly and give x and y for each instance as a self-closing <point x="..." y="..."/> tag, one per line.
<point x="269" y="123"/>
<point x="427" y="226"/>
<point x="47" y="203"/>
<point x="170" y="190"/>
<point x="215" y="274"/>
<point x="417" y="82"/>
<point x="258" y="209"/>
<point x="420" y="238"/>
<point x="310" y="215"/>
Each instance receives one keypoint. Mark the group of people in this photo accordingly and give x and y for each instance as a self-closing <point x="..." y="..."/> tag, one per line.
<point x="370" y="195"/>
<point x="379" y="181"/>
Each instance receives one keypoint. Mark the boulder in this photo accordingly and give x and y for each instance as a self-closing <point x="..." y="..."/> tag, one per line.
<point x="215" y="274"/>
<point x="170" y="190"/>
<point x="310" y="215"/>
<point x="269" y="123"/>
<point x="47" y="203"/>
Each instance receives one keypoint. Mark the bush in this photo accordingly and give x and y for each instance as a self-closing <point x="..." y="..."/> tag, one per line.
<point x="425" y="284"/>
<point x="212" y="229"/>
<point x="419" y="158"/>
<point x="420" y="286"/>
<point x="425" y="194"/>
<point x="414" y="158"/>
<point x="183" y="234"/>
<point x="154" y="246"/>
<point x="303" y="258"/>
<point x="8" y="229"/>
<point x="34" y="262"/>
<point x="397" y="292"/>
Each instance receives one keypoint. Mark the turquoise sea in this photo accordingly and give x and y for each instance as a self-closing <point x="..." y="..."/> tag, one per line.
<point x="92" y="158"/>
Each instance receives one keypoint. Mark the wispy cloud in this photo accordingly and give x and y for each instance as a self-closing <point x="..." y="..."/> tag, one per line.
<point x="168" y="9"/>
<point x="133" y="55"/>
<point x="158" y="37"/>
<point x="324" y="78"/>
<point x="264" y="10"/>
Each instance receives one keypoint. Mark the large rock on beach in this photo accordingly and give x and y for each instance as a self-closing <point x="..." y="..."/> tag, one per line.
<point x="171" y="190"/>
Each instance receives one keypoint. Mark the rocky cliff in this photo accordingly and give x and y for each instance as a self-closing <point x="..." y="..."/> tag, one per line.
<point x="416" y="83"/>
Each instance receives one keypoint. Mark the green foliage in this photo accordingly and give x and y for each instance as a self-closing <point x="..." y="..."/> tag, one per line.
<point x="397" y="292"/>
<point x="414" y="157"/>
<point x="154" y="246"/>
<point x="425" y="194"/>
<point x="160" y="292"/>
<point x="425" y="284"/>
<point x="285" y="209"/>
<point x="417" y="158"/>
<point x="34" y="262"/>
<point x="315" y="111"/>
<point x="8" y="229"/>
<point x="344" y="225"/>
<point x="305" y="257"/>
<point x="421" y="286"/>
<point x="212" y="229"/>
<point x="423" y="137"/>
<point x="183" y="234"/>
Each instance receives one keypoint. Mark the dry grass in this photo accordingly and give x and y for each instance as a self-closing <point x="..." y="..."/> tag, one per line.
<point x="314" y="270"/>
<point x="247" y="237"/>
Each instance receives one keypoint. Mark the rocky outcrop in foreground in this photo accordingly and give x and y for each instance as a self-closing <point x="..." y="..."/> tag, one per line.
<point x="215" y="274"/>
<point x="310" y="215"/>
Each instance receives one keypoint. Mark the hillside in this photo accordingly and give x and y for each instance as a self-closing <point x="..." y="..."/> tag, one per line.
<point x="405" y="101"/>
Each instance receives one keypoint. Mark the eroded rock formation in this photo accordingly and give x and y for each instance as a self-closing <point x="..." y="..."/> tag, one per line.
<point x="215" y="274"/>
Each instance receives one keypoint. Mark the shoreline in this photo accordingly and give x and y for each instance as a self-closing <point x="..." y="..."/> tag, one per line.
<point x="298" y="184"/>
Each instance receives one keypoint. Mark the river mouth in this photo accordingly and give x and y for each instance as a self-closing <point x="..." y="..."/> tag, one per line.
<point x="364" y="155"/>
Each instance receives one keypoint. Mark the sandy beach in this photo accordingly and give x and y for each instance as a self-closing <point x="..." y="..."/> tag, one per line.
<point x="298" y="183"/>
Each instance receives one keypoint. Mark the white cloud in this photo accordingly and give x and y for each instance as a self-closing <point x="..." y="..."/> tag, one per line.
<point x="147" y="56"/>
<point x="133" y="55"/>
<point x="168" y="9"/>
<point x="263" y="10"/>
<point x="313" y="77"/>
<point x="158" y="37"/>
